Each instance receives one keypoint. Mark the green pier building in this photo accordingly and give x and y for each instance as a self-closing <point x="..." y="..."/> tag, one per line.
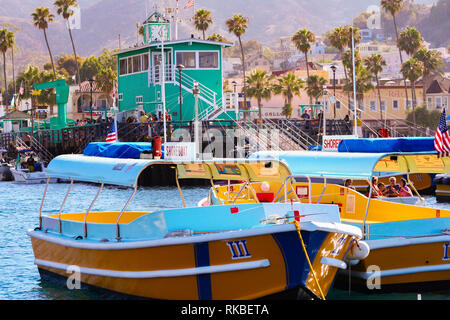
<point x="140" y="73"/>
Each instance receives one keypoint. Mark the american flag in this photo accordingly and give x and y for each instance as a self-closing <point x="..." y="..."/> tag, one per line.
<point x="189" y="4"/>
<point x="21" y="90"/>
<point x="442" y="139"/>
<point x="112" y="136"/>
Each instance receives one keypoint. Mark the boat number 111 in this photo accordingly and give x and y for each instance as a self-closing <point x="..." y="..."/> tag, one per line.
<point x="238" y="249"/>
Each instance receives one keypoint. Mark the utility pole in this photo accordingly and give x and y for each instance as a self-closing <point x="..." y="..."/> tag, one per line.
<point x="196" y="92"/>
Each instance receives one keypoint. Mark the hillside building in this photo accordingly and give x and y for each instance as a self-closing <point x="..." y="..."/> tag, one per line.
<point x="148" y="76"/>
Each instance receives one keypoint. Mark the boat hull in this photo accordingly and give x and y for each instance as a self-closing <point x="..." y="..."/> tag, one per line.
<point x="22" y="177"/>
<point x="401" y="264"/>
<point x="243" y="265"/>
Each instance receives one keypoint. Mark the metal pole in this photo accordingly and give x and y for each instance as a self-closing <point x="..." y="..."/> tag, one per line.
<point x="196" y="92"/>
<point x="334" y="91"/>
<point x="354" y="81"/>
<point x="163" y="84"/>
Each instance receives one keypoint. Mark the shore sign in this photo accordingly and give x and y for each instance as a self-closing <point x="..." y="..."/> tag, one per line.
<point x="331" y="143"/>
<point x="179" y="151"/>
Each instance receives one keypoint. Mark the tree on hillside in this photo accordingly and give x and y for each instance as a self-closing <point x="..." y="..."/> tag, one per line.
<point x="374" y="64"/>
<point x="410" y="40"/>
<point x="90" y="68"/>
<point x="64" y="9"/>
<point x="412" y="70"/>
<point x="237" y="25"/>
<point x="338" y="39"/>
<point x="41" y="18"/>
<point x="302" y="40"/>
<point x="363" y="83"/>
<point x="288" y="85"/>
<point x="6" y="43"/>
<point x="68" y="66"/>
<point x="259" y="87"/>
<point x="315" y="86"/>
<point x="202" y="20"/>
<point x="425" y="118"/>
<point x="433" y="63"/>
<point x="393" y="7"/>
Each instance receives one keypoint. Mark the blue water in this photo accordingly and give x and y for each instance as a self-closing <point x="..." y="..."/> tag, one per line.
<point x="19" y="211"/>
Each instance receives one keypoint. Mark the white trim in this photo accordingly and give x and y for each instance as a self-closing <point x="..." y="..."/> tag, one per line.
<point x="306" y="226"/>
<point x="333" y="262"/>
<point x="442" y="191"/>
<point x="159" y="273"/>
<point x="399" y="271"/>
<point x="401" y="242"/>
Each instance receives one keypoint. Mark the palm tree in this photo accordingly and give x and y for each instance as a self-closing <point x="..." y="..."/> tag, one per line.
<point x="259" y="87"/>
<point x="374" y="64"/>
<point x="315" y="86"/>
<point x="106" y="79"/>
<point x="433" y="63"/>
<point x="288" y="86"/>
<point x="410" y="40"/>
<point x="237" y="25"/>
<point x="302" y="41"/>
<point x="216" y="37"/>
<point x="412" y="70"/>
<point x="363" y="83"/>
<point x="393" y="7"/>
<point x="6" y="43"/>
<point x="202" y="20"/>
<point x="41" y="18"/>
<point x="338" y="39"/>
<point x="63" y="8"/>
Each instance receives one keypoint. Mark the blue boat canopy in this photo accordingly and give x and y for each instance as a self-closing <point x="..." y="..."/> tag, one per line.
<point x="122" y="150"/>
<point x="355" y="165"/>
<point x="378" y="145"/>
<point x="126" y="172"/>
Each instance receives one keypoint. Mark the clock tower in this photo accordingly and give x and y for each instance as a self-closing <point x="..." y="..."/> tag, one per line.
<point x="156" y="28"/>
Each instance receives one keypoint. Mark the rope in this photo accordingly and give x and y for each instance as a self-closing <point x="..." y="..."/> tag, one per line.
<point x="297" y="226"/>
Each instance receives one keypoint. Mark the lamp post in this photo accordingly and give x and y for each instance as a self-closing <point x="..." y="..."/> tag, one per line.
<point x="333" y="68"/>
<point x="180" y="68"/>
<point x="91" y="82"/>
<point x="235" y="100"/>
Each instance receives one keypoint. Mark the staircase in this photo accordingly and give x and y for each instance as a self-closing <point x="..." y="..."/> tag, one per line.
<point x="45" y="155"/>
<point x="214" y="107"/>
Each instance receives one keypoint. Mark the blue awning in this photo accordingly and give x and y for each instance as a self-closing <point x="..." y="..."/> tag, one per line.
<point x="124" y="150"/>
<point x="355" y="165"/>
<point x="378" y="145"/>
<point x="121" y="172"/>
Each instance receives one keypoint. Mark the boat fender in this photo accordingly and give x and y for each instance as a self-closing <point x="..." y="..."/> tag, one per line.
<point x="359" y="251"/>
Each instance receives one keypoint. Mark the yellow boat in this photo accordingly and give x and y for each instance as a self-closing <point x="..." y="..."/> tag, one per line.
<point x="409" y="243"/>
<point x="228" y="251"/>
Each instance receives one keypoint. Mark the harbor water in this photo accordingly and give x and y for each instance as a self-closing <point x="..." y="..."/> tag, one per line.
<point x="19" y="211"/>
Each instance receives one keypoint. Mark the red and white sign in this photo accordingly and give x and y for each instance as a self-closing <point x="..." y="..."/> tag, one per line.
<point x="179" y="151"/>
<point x="331" y="143"/>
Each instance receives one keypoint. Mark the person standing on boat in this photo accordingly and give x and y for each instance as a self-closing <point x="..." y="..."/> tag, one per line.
<point x="392" y="189"/>
<point x="376" y="193"/>
<point x="405" y="191"/>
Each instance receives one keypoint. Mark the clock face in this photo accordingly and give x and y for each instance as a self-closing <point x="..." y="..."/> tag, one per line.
<point x="157" y="32"/>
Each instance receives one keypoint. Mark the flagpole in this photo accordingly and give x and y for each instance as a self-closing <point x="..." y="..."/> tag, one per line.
<point x="163" y="84"/>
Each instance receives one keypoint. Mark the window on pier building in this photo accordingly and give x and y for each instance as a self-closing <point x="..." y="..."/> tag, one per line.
<point x="198" y="59"/>
<point x="133" y="64"/>
<point x="208" y="60"/>
<point x="187" y="59"/>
